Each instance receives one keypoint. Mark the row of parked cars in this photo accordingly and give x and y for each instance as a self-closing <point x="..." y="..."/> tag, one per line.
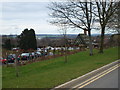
<point x="27" y="56"/>
<point x="9" y="59"/>
<point x="24" y="56"/>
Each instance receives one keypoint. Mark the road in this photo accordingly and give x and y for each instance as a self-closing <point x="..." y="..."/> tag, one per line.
<point x="108" y="81"/>
<point x="104" y="77"/>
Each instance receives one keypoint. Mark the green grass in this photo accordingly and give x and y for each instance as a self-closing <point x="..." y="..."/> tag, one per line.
<point x="50" y="73"/>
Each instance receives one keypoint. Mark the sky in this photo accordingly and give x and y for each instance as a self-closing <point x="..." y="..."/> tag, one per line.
<point x="17" y="16"/>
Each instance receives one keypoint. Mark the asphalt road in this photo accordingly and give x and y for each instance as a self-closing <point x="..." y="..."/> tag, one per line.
<point x="108" y="81"/>
<point x="108" y="78"/>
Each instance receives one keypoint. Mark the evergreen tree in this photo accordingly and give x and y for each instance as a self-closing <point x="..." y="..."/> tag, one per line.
<point x="27" y="39"/>
<point x="7" y="44"/>
<point x="32" y="39"/>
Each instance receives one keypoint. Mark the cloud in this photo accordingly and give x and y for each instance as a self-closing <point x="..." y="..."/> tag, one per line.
<point x="25" y="15"/>
<point x="24" y="0"/>
<point x="24" y="10"/>
<point x="31" y="0"/>
<point x="16" y="16"/>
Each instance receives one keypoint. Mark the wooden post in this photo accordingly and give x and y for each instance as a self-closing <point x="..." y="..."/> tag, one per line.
<point x="16" y="63"/>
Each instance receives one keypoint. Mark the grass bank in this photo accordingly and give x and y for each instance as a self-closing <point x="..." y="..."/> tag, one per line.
<point x="50" y="73"/>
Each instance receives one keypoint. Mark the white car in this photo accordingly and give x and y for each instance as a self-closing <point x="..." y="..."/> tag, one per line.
<point x="38" y="54"/>
<point x="38" y="49"/>
<point x="25" y="56"/>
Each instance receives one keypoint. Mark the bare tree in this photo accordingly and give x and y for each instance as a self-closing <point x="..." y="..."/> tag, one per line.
<point x="75" y="14"/>
<point x="44" y="42"/>
<point x="114" y="22"/>
<point x="63" y="30"/>
<point x="105" y="9"/>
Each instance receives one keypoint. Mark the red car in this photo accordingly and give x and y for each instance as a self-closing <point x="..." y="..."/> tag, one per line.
<point x="3" y="60"/>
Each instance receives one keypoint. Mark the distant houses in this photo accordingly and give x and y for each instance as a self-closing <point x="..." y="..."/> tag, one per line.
<point x="72" y="40"/>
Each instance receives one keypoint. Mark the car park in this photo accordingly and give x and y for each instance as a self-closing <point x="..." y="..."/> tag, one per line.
<point x="37" y="54"/>
<point x="3" y="60"/>
<point x="14" y="55"/>
<point x="38" y="49"/>
<point x="44" y="52"/>
<point x="50" y="54"/>
<point x="32" y="55"/>
<point x="25" y="56"/>
<point x="10" y="59"/>
<point x="15" y="49"/>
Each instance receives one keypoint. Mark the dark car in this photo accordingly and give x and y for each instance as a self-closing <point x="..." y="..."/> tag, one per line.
<point x="25" y="56"/>
<point x="16" y="57"/>
<point x="3" y="60"/>
<point x="10" y="59"/>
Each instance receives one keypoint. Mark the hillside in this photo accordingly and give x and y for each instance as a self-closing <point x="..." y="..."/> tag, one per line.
<point x="50" y="73"/>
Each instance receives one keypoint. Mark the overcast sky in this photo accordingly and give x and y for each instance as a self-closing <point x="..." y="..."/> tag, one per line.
<point x="16" y="16"/>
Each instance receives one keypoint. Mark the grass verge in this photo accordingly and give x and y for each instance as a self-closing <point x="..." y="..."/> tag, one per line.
<point x="50" y="73"/>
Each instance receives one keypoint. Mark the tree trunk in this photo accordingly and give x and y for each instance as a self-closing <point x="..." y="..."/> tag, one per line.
<point x="102" y="40"/>
<point x="65" y="38"/>
<point x="90" y="43"/>
<point x="16" y="64"/>
<point x="65" y="54"/>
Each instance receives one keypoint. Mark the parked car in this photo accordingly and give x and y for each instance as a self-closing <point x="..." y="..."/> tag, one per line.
<point x="15" y="49"/>
<point x="45" y="51"/>
<point x="14" y="55"/>
<point x="3" y="60"/>
<point x="10" y="59"/>
<point x="18" y="58"/>
<point x="32" y="55"/>
<point x="25" y="56"/>
<point x="50" y="53"/>
<point x="37" y="54"/>
<point x="38" y="49"/>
